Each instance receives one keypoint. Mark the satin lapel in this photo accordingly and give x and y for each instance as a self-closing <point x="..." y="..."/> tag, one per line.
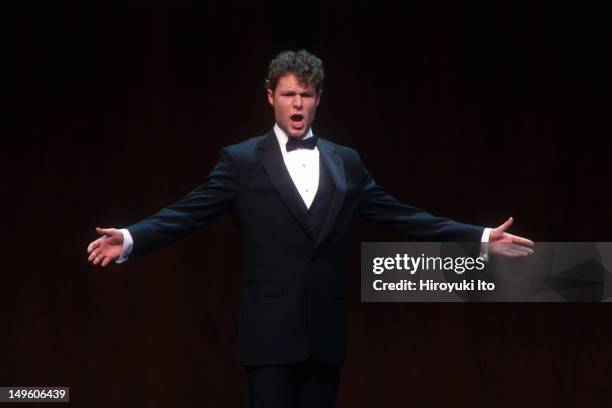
<point x="272" y="159"/>
<point x="334" y="164"/>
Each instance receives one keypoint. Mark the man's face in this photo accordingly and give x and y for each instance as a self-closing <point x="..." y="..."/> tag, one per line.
<point x="294" y="104"/>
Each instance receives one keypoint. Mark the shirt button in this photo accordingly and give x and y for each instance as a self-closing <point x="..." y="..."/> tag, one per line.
<point x="303" y="165"/>
<point x="307" y="190"/>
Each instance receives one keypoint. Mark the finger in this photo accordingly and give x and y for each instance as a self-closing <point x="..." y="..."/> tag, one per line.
<point x="95" y="253"/>
<point x="506" y="224"/>
<point x="510" y="250"/>
<point x="512" y="253"/>
<point x="94" y="244"/>
<point x="521" y="250"/>
<point x="505" y="248"/>
<point x="104" y="231"/>
<point x="521" y="240"/>
<point x="106" y="261"/>
<point x="98" y="259"/>
<point x="517" y="247"/>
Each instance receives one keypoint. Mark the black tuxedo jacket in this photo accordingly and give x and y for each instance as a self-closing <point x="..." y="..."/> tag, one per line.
<point x="292" y="296"/>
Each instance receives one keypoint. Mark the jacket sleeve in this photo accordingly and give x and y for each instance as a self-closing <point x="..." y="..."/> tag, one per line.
<point x="196" y="210"/>
<point x="379" y="207"/>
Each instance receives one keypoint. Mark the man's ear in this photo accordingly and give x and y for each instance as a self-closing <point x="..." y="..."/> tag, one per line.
<point x="318" y="98"/>
<point x="270" y="96"/>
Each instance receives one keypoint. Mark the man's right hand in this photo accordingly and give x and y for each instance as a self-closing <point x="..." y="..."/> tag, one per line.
<point x="107" y="248"/>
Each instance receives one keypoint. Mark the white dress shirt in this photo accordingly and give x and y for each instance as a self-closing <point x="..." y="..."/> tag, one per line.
<point x="303" y="167"/>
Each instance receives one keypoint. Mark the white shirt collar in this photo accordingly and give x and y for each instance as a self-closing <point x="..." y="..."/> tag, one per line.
<point x="282" y="137"/>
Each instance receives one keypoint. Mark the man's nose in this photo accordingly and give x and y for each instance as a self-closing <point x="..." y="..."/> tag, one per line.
<point x="297" y="102"/>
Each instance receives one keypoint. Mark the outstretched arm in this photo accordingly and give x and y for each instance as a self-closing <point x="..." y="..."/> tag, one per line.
<point x="378" y="206"/>
<point x="196" y="210"/>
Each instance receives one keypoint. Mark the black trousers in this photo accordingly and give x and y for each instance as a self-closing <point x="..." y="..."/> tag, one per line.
<point x="305" y="384"/>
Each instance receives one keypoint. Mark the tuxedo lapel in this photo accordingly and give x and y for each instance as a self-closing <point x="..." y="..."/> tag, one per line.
<point x="272" y="159"/>
<point x="334" y="164"/>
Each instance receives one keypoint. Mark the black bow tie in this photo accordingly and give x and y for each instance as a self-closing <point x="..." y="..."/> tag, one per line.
<point x="294" y="143"/>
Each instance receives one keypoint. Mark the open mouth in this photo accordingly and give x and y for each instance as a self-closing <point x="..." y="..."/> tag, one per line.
<point x="297" y="120"/>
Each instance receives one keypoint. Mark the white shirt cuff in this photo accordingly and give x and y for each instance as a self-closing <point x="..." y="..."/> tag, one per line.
<point x="484" y="248"/>
<point x="128" y="244"/>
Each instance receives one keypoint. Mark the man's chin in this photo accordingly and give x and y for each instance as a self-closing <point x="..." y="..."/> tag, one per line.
<point x="297" y="133"/>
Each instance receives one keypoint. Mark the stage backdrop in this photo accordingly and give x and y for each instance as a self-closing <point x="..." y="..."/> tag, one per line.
<point x="473" y="110"/>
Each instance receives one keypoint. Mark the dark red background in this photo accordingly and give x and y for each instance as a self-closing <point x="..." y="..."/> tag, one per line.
<point x="475" y="110"/>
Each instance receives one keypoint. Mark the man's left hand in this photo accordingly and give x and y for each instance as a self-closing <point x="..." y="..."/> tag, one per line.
<point x="502" y="243"/>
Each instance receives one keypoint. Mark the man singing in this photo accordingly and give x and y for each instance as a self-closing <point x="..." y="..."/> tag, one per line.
<point x="294" y="197"/>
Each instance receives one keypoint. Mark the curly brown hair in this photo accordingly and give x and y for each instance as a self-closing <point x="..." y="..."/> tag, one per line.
<point x="307" y="67"/>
